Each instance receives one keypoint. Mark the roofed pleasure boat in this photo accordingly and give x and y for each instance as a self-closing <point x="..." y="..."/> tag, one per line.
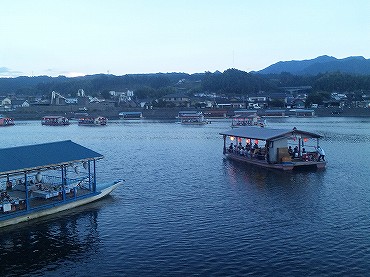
<point x="54" y="120"/>
<point x="270" y="148"/>
<point x="43" y="179"/>
<point x="6" y="121"/>
<point x="192" y="118"/>
<point x="92" y="121"/>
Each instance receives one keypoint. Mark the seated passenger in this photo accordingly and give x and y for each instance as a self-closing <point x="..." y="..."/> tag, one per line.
<point x="295" y="152"/>
<point x="231" y="147"/>
<point x="290" y="151"/>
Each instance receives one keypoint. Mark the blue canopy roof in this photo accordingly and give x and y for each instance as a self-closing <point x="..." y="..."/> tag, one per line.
<point x="265" y="133"/>
<point x="35" y="157"/>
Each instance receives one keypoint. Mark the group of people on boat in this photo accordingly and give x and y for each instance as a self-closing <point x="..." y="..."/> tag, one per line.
<point x="249" y="150"/>
<point x="317" y="155"/>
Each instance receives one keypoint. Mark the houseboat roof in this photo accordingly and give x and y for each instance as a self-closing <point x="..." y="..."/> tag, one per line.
<point x="46" y="155"/>
<point x="129" y="113"/>
<point x="253" y="132"/>
<point x="53" y="116"/>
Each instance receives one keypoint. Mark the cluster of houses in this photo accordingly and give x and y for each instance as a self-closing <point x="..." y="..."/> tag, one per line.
<point x="264" y="100"/>
<point x="11" y="103"/>
<point x="289" y="98"/>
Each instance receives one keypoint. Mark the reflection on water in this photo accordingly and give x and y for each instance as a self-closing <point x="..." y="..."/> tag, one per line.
<point x="46" y="244"/>
<point x="186" y="211"/>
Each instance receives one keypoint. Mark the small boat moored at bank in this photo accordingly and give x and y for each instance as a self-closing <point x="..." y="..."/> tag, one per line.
<point x="131" y="115"/>
<point x="273" y="148"/>
<point x="54" y="120"/>
<point x="44" y="179"/>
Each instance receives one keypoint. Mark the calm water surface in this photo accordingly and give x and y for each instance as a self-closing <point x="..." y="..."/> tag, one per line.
<point x="186" y="211"/>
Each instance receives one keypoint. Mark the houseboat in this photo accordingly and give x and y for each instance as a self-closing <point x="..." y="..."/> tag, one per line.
<point x="192" y="118"/>
<point x="130" y="115"/>
<point x="54" y="120"/>
<point x="6" y="121"/>
<point x="249" y="120"/>
<point x="44" y="179"/>
<point x="273" y="148"/>
<point x="92" y="121"/>
<point x="278" y="113"/>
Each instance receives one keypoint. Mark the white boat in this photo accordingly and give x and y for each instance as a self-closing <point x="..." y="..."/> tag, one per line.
<point x="44" y="179"/>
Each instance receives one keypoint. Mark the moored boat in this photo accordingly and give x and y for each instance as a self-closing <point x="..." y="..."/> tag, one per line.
<point x="92" y="121"/>
<point x="6" y="121"/>
<point x="44" y="179"/>
<point x="131" y="115"/>
<point x="54" y="120"/>
<point x="270" y="148"/>
<point x="192" y="118"/>
<point x="248" y="120"/>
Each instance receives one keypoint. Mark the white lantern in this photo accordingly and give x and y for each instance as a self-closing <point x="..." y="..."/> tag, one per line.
<point x="38" y="177"/>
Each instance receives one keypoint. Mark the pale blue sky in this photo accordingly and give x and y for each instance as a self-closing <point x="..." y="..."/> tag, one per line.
<point x="78" y="37"/>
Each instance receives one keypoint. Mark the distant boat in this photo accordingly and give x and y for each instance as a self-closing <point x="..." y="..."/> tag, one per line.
<point x="54" y="120"/>
<point x="131" y="115"/>
<point x="248" y="120"/>
<point x="192" y="118"/>
<point x="92" y="121"/>
<point x="44" y="179"/>
<point x="6" y="121"/>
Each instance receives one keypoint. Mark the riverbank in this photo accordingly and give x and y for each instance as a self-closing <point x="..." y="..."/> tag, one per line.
<point x="34" y="113"/>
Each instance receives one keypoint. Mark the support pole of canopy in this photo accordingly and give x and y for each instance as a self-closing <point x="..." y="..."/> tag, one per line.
<point x="26" y="192"/>
<point x="94" y="181"/>
<point x="89" y="175"/>
<point x="224" y="145"/>
<point x="64" y="179"/>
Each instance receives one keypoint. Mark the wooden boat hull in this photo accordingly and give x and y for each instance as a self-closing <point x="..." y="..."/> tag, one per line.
<point x="285" y="166"/>
<point x="56" y="208"/>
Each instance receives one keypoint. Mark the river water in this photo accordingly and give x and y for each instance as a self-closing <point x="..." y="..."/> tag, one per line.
<point x="186" y="211"/>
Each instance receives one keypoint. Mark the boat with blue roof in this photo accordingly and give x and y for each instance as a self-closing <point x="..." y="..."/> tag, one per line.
<point x="44" y="179"/>
<point x="283" y="149"/>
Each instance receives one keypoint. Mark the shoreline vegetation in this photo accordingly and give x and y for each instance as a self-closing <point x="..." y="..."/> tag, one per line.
<point x="163" y="113"/>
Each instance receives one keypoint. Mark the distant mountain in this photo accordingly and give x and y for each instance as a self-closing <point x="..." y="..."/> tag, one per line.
<point x="322" y="64"/>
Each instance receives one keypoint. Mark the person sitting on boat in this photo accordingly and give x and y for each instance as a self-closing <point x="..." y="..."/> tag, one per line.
<point x="321" y="153"/>
<point x="240" y="146"/>
<point x="290" y="151"/>
<point x="295" y="152"/>
<point x="255" y="146"/>
<point x="304" y="155"/>
<point x="231" y="147"/>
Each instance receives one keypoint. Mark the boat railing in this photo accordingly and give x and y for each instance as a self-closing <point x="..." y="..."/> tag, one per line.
<point x="17" y="184"/>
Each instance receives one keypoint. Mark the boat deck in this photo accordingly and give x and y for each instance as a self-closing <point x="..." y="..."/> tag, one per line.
<point x="39" y="199"/>
<point x="288" y="165"/>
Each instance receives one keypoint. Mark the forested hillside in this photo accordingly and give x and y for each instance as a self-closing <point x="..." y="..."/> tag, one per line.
<point x="230" y="82"/>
